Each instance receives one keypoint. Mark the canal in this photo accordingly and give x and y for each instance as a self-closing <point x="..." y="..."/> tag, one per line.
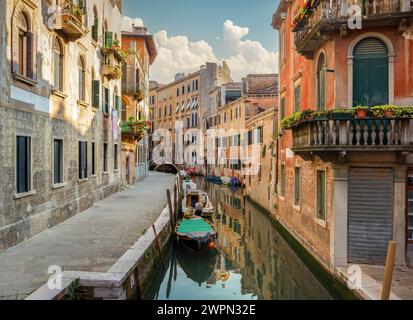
<point x="253" y="261"/>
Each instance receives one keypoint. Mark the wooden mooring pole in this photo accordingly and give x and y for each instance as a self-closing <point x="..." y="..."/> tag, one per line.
<point x="388" y="271"/>
<point x="158" y="245"/>
<point x="171" y="210"/>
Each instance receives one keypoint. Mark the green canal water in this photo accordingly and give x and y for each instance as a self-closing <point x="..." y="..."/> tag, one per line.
<point x="253" y="261"/>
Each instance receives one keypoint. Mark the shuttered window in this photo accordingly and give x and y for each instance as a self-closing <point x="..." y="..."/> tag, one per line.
<point x="23" y="165"/>
<point x="108" y="39"/>
<point x="321" y="195"/>
<point x="58" y="161"/>
<point x="93" y="156"/>
<point x="106" y="100"/>
<point x="115" y="157"/>
<point x="95" y="30"/>
<point x="82" y="160"/>
<point x="282" y="108"/>
<point x="410" y="207"/>
<point x="96" y="94"/>
<point x="282" y="189"/>
<point x="57" y="65"/>
<point x="297" y="186"/>
<point x="321" y="83"/>
<point x="105" y="157"/>
<point x="297" y="98"/>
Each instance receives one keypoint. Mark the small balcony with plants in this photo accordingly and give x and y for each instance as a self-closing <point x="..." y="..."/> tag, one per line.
<point x="70" y="21"/>
<point x="381" y="128"/>
<point x="134" y="130"/>
<point x="316" y="20"/>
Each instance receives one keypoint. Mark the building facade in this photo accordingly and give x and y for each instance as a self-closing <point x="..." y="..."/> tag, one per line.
<point x="342" y="179"/>
<point x="59" y="133"/>
<point x="140" y="52"/>
<point x="185" y="100"/>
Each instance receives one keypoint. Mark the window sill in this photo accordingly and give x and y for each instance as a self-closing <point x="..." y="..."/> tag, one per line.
<point x="116" y="171"/>
<point x="94" y="42"/>
<point x="105" y="173"/>
<point x="24" y="79"/>
<point x="297" y="208"/>
<point x="93" y="176"/>
<point x="321" y="223"/>
<point x="281" y="198"/>
<point x="81" y="103"/>
<point x="59" y="94"/>
<point x="24" y="195"/>
<point x="83" y="180"/>
<point x="59" y="185"/>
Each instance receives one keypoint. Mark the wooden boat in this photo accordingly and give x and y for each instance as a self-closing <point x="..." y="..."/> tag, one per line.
<point x="193" y="196"/>
<point x="196" y="234"/>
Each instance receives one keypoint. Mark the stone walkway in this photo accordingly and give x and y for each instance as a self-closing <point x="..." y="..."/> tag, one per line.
<point x="372" y="281"/>
<point x="90" y="241"/>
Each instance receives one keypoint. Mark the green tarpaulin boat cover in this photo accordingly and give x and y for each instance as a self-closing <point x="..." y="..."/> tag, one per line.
<point x="194" y="225"/>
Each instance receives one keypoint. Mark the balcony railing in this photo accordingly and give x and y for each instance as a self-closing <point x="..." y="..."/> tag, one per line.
<point x="332" y="15"/>
<point x="70" y="21"/>
<point x="353" y="135"/>
<point x="134" y="130"/>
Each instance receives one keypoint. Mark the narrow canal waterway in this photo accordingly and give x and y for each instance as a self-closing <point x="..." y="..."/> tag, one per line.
<point x="253" y="260"/>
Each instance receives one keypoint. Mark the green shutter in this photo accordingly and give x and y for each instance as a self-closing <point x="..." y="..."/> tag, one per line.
<point x="108" y="38"/>
<point x="297" y="99"/>
<point x="321" y="195"/>
<point x="96" y="94"/>
<point x="282" y="108"/>
<point x="95" y="33"/>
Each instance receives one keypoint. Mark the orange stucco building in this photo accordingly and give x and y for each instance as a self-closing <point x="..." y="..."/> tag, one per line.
<point x="342" y="181"/>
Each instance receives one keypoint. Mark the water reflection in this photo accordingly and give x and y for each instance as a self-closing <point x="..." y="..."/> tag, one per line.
<point x="253" y="260"/>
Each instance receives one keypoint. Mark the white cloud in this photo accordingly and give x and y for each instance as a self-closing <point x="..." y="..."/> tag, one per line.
<point x="128" y="23"/>
<point x="178" y="54"/>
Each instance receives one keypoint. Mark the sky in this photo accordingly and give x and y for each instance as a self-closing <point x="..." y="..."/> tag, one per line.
<point x="191" y="32"/>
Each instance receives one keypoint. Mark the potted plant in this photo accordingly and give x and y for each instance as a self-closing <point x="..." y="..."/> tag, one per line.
<point x="320" y="115"/>
<point x="361" y="112"/>
<point x="307" y="115"/>
<point x="342" y="114"/>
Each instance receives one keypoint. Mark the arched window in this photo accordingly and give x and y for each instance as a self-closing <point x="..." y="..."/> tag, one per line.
<point x="321" y="82"/>
<point x="57" y="65"/>
<point x="370" y="73"/>
<point x="95" y="27"/>
<point x="23" y="45"/>
<point x="82" y="78"/>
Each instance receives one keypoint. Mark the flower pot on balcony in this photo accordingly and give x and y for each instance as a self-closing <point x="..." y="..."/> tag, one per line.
<point x="361" y="112"/>
<point x="389" y="113"/>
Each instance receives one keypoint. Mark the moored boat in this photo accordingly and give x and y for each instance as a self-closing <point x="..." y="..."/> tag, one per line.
<point x="196" y="234"/>
<point x="192" y="197"/>
<point x="213" y="179"/>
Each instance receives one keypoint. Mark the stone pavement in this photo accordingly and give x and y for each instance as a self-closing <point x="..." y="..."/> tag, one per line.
<point x="372" y="282"/>
<point x="90" y="241"/>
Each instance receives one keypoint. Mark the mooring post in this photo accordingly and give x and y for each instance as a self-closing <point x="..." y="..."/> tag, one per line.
<point x="158" y="245"/>
<point x="168" y="195"/>
<point x="388" y="271"/>
<point x="175" y="204"/>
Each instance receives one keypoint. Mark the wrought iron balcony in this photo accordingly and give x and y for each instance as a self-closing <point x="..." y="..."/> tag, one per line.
<point x="328" y="16"/>
<point x="70" y="21"/>
<point x="318" y="136"/>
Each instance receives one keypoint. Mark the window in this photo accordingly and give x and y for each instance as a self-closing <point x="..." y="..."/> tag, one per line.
<point x="282" y="108"/>
<point x="321" y="82"/>
<point x="23" y="165"/>
<point x="297" y="98"/>
<point x="95" y="27"/>
<point x="297" y="187"/>
<point x="282" y="47"/>
<point x="177" y="92"/>
<point x="321" y="195"/>
<point x="82" y="160"/>
<point x="115" y="157"/>
<point x="58" y="161"/>
<point x="57" y="65"/>
<point x="106" y="102"/>
<point x="93" y="155"/>
<point x="23" y="61"/>
<point x="96" y="93"/>
<point x="105" y="157"/>
<point x="82" y="77"/>
<point x="260" y="133"/>
<point x="282" y="189"/>
<point x="410" y="207"/>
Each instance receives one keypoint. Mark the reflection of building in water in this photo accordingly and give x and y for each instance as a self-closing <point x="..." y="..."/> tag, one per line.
<point x="220" y="273"/>
<point x="272" y="270"/>
<point x="229" y="222"/>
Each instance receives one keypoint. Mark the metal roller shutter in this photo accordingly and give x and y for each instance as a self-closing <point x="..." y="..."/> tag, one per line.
<point x="370" y="214"/>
